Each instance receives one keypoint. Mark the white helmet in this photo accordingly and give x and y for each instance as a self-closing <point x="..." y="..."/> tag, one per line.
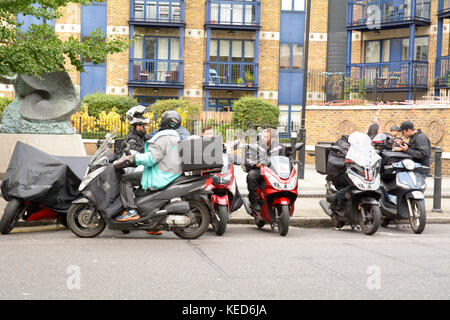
<point x="136" y="115"/>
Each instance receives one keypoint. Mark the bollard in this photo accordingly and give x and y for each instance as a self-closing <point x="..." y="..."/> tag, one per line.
<point x="437" y="180"/>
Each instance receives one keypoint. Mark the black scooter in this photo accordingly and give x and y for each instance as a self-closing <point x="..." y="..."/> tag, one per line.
<point x="362" y="197"/>
<point x="89" y="215"/>
<point x="403" y="186"/>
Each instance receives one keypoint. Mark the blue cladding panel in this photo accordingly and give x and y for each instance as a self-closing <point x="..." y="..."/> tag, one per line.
<point x="395" y="50"/>
<point x="292" y="27"/>
<point x="93" y="80"/>
<point x="290" y="88"/>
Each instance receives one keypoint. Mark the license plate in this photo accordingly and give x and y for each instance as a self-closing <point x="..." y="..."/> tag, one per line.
<point x="417" y="195"/>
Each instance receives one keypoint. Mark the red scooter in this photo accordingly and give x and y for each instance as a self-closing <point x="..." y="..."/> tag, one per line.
<point x="277" y="192"/>
<point x="225" y="198"/>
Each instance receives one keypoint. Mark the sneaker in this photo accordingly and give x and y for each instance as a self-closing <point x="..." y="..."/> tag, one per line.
<point x="128" y="215"/>
<point x="155" y="233"/>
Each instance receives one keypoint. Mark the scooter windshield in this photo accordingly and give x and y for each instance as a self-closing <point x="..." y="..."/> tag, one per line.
<point x="281" y="166"/>
<point x="361" y="150"/>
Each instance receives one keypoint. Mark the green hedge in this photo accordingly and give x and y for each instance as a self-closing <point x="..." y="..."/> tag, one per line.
<point x="105" y="102"/>
<point x="189" y="110"/>
<point x="251" y="110"/>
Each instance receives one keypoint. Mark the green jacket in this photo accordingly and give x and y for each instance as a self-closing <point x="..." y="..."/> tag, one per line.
<point x="161" y="160"/>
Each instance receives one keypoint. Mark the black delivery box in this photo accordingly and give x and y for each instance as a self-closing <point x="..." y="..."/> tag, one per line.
<point x="201" y="154"/>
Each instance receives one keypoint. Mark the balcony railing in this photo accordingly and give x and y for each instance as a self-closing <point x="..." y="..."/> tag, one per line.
<point x="156" y="72"/>
<point x="444" y="8"/>
<point x="157" y="12"/>
<point x="393" y="76"/>
<point x="233" y="14"/>
<point x="443" y="81"/>
<point x="382" y="14"/>
<point x="239" y="75"/>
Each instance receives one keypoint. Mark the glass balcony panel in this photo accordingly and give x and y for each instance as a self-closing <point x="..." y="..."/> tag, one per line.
<point x="233" y="12"/>
<point x="157" y="11"/>
<point x="231" y="74"/>
<point x="156" y="71"/>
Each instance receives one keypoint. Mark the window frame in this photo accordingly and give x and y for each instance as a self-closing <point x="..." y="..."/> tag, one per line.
<point x="291" y="57"/>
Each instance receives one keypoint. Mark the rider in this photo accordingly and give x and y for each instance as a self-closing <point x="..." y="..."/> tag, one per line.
<point x="159" y="160"/>
<point x="267" y="147"/>
<point x="137" y="137"/>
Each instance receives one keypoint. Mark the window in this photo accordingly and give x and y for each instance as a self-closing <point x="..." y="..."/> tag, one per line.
<point x="293" y="5"/>
<point x="221" y="104"/>
<point x="232" y="50"/>
<point x="291" y="56"/>
<point x="372" y="51"/>
<point x="420" y="49"/>
<point x="386" y="50"/>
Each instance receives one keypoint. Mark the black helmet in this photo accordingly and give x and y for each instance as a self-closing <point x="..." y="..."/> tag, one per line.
<point x="170" y="120"/>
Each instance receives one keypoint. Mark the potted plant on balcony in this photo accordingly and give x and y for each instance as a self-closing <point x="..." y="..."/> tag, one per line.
<point x="438" y="81"/>
<point x="361" y="21"/>
<point x="248" y="79"/>
<point x="240" y="81"/>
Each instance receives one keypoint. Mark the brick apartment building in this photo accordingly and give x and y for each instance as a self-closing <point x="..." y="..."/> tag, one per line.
<point x="215" y="51"/>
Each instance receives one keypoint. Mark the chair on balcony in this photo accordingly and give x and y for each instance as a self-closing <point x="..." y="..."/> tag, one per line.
<point x="214" y="78"/>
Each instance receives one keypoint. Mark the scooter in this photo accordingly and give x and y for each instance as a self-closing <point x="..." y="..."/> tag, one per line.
<point x="225" y="198"/>
<point x="362" y="196"/>
<point x="277" y="193"/>
<point x="89" y="215"/>
<point x="403" y="186"/>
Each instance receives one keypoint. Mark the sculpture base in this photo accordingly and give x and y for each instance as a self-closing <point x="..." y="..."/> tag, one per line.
<point x="54" y="144"/>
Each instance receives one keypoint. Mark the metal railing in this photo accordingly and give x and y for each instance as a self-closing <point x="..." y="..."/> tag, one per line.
<point x="390" y="74"/>
<point x="158" y="11"/>
<point x="238" y="74"/>
<point x="443" y="80"/>
<point x="156" y="71"/>
<point x="233" y="13"/>
<point x="444" y="7"/>
<point x="382" y="12"/>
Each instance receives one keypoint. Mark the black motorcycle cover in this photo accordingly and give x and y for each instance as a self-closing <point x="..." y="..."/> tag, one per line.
<point x="38" y="177"/>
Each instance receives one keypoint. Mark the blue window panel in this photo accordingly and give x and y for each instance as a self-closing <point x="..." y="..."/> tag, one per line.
<point x="290" y="88"/>
<point x="93" y="17"/>
<point x="292" y="27"/>
<point x="395" y="53"/>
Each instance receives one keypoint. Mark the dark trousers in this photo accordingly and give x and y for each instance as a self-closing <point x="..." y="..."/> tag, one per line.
<point x="130" y="179"/>
<point x="343" y="185"/>
<point x="253" y="179"/>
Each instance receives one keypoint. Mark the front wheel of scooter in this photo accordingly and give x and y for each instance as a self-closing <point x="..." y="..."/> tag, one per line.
<point x="82" y="223"/>
<point x="14" y="210"/>
<point x="283" y="220"/>
<point x="372" y="222"/>
<point x="417" y="216"/>
<point x="200" y="220"/>
<point x="222" y="211"/>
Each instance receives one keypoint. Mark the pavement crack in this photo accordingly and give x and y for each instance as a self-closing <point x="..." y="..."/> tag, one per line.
<point x="208" y="260"/>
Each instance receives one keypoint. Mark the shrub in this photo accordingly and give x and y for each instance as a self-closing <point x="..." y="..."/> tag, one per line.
<point x="187" y="109"/>
<point x="4" y="102"/>
<point x="254" y="111"/>
<point x="99" y="102"/>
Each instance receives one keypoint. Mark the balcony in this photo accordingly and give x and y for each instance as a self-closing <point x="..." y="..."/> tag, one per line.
<point x="231" y="75"/>
<point x="386" y="14"/>
<point x="157" y="13"/>
<point x="156" y="73"/>
<point x="443" y="81"/>
<point x="226" y="14"/>
<point x="389" y="76"/>
<point x="444" y="9"/>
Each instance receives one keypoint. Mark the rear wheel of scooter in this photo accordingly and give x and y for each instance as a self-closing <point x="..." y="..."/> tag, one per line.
<point x="222" y="211"/>
<point x="78" y="221"/>
<point x="199" y="214"/>
<point x="418" y="216"/>
<point x="14" y="210"/>
<point x="373" y="219"/>
<point x="283" y="220"/>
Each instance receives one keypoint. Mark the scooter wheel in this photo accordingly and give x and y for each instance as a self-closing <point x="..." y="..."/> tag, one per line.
<point x="13" y="212"/>
<point x="222" y="211"/>
<point x="283" y="222"/>
<point x="78" y="221"/>
<point x="372" y="223"/>
<point x="418" y="216"/>
<point x="200" y="214"/>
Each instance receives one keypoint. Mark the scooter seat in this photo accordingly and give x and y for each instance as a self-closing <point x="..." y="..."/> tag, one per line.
<point x="141" y="192"/>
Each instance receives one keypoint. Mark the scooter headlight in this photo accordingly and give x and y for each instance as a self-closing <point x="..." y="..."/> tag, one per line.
<point x="408" y="164"/>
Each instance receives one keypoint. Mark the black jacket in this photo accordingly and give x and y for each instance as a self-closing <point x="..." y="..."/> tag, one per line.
<point x="336" y="159"/>
<point x="136" y="140"/>
<point x="420" y="148"/>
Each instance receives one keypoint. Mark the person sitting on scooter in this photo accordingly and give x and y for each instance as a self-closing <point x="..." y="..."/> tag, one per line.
<point x="161" y="162"/>
<point x="267" y="147"/>
<point x="336" y="172"/>
<point x="419" y="145"/>
<point x="137" y="137"/>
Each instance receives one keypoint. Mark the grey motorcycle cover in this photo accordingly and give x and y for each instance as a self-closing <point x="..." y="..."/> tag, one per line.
<point x="38" y="177"/>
